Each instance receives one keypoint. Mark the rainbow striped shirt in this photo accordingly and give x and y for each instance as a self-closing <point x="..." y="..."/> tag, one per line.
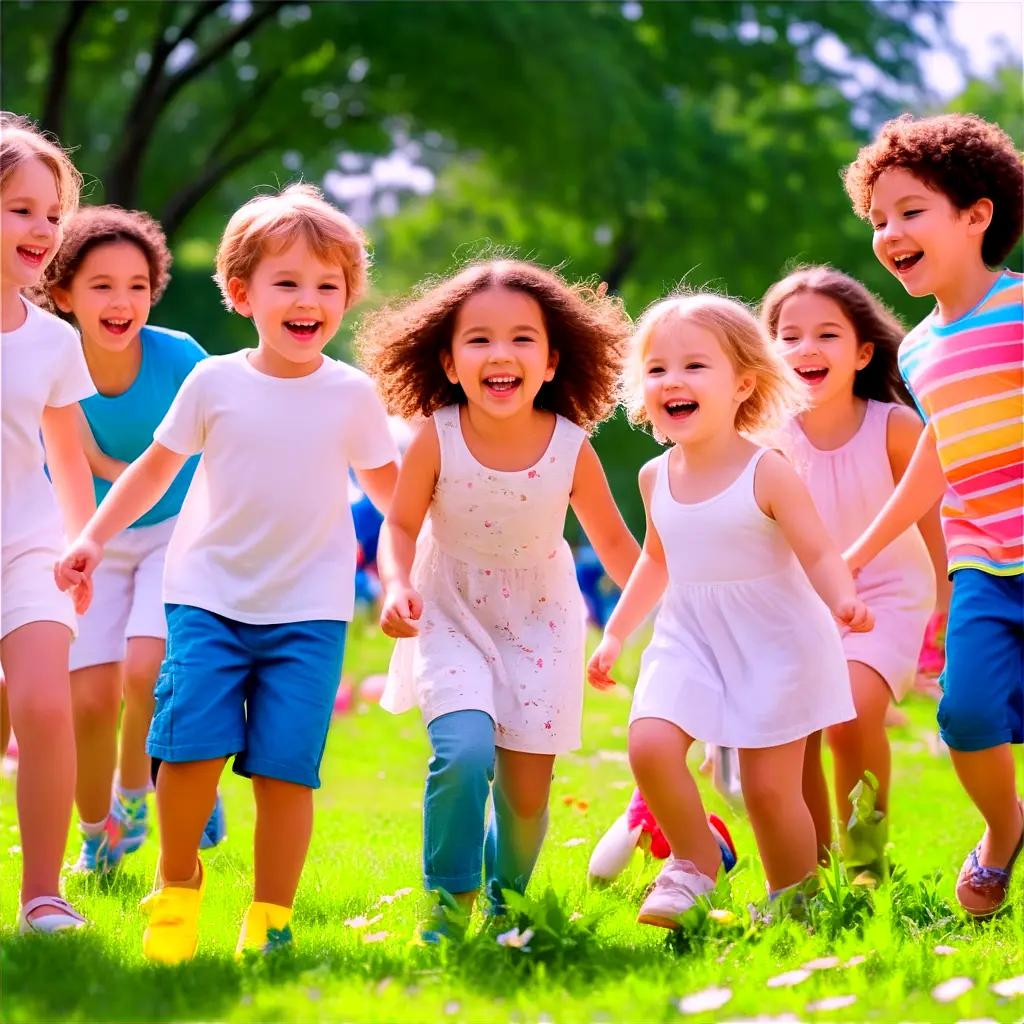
<point x="967" y="378"/>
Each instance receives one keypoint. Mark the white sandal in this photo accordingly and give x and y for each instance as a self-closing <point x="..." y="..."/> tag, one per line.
<point x="66" y="917"/>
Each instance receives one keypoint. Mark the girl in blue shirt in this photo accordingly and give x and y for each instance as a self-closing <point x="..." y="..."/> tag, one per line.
<point x="111" y="269"/>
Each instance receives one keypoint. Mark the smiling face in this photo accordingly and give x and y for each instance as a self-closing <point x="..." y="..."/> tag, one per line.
<point x="820" y="343"/>
<point x="500" y="354"/>
<point x="691" y="388"/>
<point x="296" y="302"/>
<point x="110" y="295"/>
<point x="920" y="236"/>
<point x="31" y="223"/>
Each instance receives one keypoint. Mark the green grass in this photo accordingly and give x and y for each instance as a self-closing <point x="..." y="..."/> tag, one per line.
<point x="598" y="967"/>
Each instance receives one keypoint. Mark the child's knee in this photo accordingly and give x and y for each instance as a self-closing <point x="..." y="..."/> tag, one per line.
<point x="765" y="796"/>
<point x="463" y="745"/>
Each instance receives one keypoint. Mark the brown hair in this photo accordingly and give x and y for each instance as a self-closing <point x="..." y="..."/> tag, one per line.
<point x="959" y="155"/>
<point x="21" y="140"/>
<point x="872" y="322"/>
<point x="275" y="221"/>
<point x="93" y="226"/>
<point x="401" y="344"/>
<point x="776" y="395"/>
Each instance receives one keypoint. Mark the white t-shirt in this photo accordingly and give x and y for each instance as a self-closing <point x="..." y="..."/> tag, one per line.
<point x="265" y="534"/>
<point x="41" y="364"/>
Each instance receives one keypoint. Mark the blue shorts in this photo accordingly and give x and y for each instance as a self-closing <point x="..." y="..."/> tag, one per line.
<point x="262" y="693"/>
<point x="982" y="702"/>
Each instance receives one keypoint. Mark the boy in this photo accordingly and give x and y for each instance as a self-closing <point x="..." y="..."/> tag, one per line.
<point x="260" y="568"/>
<point x="943" y="195"/>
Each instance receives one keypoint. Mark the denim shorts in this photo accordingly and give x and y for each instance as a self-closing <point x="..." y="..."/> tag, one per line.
<point x="982" y="702"/>
<point x="263" y="693"/>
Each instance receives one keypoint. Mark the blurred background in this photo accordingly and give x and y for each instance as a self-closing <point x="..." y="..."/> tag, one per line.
<point x="642" y="143"/>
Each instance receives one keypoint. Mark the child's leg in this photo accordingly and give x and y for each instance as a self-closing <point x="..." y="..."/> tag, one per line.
<point x="989" y="776"/>
<point x="35" y="664"/>
<point x="284" y="826"/>
<point x="782" y="823"/>
<point x="141" y="668"/>
<point x="862" y="743"/>
<point x="458" y="782"/>
<point x="815" y="791"/>
<point x="519" y="819"/>
<point x="5" y="718"/>
<point x="96" y="702"/>
<point x="184" y="795"/>
<point x="657" y="755"/>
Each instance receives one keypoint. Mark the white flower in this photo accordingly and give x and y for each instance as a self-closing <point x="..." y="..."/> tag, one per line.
<point x="705" y="1000"/>
<point x="516" y="940"/>
<point x="375" y="937"/>
<point x="945" y="950"/>
<point x="831" y="1003"/>
<point x="362" y="921"/>
<point x="952" y="988"/>
<point x="789" y="978"/>
<point x="822" y="963"/>
<point x="574" y="842"/>
<point x="1010" y="987"/>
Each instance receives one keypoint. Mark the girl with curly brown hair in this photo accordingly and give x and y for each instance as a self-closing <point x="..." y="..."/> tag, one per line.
<point x="511" y="366"/>
<point x="110" y="270"/>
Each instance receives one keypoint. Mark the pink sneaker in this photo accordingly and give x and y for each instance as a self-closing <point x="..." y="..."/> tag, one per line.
<point x="675" y="891"/>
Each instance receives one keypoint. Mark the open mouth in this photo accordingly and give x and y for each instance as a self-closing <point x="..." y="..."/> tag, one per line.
<point x="116" y="326"/>
<point x="503" y="385"/>
<point x="680" y="409"/>
<point x="32" y="255"/>
<point x="905" y="263"/>
<point x="812" y="374"/>
<point x="302" y="330"/>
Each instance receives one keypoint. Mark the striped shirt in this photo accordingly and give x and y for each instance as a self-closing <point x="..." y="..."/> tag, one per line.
<point x="967" y="378"/>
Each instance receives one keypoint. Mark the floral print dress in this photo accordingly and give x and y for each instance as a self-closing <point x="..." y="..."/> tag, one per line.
<point x="503" y="621"/>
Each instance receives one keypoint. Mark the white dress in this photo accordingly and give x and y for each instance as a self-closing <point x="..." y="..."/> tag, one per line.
<point x="744" y="652"/>
<point x="503" y="621"/>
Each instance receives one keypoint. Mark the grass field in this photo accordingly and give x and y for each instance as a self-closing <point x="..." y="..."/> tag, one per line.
<point x="896" y="956"/>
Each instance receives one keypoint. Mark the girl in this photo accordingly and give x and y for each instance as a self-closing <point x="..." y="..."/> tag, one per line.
<point x="512" y="366"/>
<point x="44" y="376"/>
<point x="744" y="653"/>
<point x="112" y="267"/>
<point x="850" y="447"/>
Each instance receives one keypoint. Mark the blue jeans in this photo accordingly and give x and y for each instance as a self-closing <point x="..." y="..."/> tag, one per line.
<point x="455" y="848"/>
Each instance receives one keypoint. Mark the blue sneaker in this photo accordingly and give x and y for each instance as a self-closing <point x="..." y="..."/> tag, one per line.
<point x="98" y="854"/>
<point x="216" y="830"/>
<point x="128" y="823"/>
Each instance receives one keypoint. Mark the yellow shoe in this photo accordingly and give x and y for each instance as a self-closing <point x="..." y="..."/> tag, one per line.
<point x="173" y="929"/>
<point x="265" y="928"/>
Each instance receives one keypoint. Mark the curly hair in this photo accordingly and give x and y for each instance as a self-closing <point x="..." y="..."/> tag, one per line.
<point x="960" y="155"/>
<point x="21" y="140"/>
<point x="400" y="345"/>
<point x="871" y="319"/>
<point x="777" y="394"/>
<point x="275" y="221"/>
<point x="93" y="226"/>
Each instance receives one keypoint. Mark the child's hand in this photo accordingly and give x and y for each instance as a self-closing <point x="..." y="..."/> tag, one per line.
<point x="853" y="561"/>
<point x="855" y="615"/>
<point x="81" y="595"/>
<point x="76" y="566"/>
<point x="402" y="607"/>
<point x="601" y="662"/>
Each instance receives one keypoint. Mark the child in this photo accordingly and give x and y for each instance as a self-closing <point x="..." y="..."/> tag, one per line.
<point x="258" y="580"/>
<point x="849" y="447"/>
<point x="512" y="366"/>
<point x="111" y="268"/>
<point x="44" y="376"/>
<point x="744" y="653"/>
<point x="943" y="195"/>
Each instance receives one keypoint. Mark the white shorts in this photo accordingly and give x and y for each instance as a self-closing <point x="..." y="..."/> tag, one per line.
<point x="28" y="592"/>
<point x="127" y="596"/>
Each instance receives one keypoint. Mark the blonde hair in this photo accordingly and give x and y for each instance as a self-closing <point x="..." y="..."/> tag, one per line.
<point x="274" y="221"/>
<point x="777" y="395"/>
<point x="21" y="141"/>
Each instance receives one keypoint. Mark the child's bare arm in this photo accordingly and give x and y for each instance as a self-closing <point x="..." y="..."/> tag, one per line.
<point x="600" y="518"/>
<point x="104" y="466"/>
<point x="783" y="495"/>
<point x="396" y="550"/>
<point x="69" y="470"/>
<point x="921" y="486"/>
<point x="902" y="437"/>
<point x="136" y="491"/>
<point x="379" y="484"/>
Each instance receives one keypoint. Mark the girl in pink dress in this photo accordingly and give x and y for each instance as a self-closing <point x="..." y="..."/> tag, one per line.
<point x="851" y="447"/>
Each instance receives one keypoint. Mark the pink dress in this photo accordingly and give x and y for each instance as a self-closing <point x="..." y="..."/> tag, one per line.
<point x="850" y="484"/>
